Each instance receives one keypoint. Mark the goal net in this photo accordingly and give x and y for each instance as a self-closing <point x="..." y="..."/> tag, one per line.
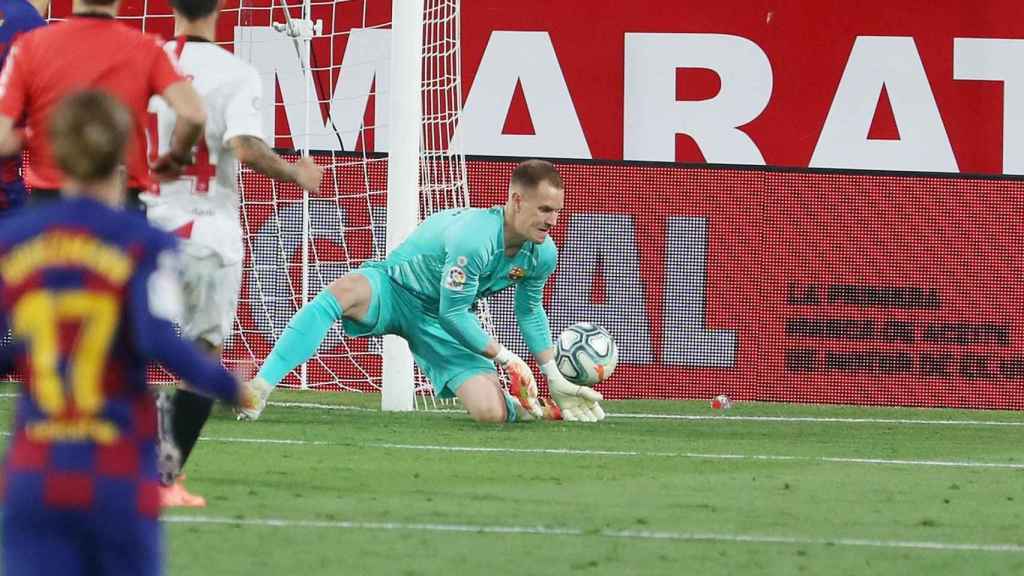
<point x="330" y="90"/>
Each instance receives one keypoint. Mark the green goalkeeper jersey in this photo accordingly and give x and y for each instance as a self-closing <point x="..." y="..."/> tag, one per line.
<point x="456" y="257"/>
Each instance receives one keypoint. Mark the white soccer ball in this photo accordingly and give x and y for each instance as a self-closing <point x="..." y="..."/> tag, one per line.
<point x="586" y="354"/>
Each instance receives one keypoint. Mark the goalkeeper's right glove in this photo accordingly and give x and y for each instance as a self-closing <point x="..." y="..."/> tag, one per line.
<point x="575" y="402"/>
<point x="522" y="386"/>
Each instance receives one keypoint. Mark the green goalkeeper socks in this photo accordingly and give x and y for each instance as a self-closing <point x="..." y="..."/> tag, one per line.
<point x="301" y="337"/>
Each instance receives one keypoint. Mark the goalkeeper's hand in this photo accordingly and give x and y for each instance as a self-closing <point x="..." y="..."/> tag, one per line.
<point x="577" y="403"/>
<point x="522" y="384"/>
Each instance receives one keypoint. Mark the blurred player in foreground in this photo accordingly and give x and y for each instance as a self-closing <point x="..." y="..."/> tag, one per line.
<point x="425" y="289"/>
<point x="201" y="207"/>
<point x="89" y="291"/>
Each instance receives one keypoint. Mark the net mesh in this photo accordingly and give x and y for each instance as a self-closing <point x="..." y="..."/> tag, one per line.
<point x="329" y="98"/>
<point x="296" y="243"/>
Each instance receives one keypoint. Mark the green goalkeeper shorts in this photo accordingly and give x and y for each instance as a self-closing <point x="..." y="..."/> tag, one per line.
<point x="394" y="310"/>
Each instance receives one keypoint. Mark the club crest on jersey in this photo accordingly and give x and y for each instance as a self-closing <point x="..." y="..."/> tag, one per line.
<point x="455" y="279"/>
<point x="516" y="274"/>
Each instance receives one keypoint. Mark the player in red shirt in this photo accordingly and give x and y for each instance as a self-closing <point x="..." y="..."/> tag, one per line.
<point x="92" y="50"/>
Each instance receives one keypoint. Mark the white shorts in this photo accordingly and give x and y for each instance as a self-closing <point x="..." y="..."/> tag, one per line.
<point x="211" y="296"/>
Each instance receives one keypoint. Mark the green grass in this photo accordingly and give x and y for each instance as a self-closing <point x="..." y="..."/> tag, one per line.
<point x="350" y="495"/>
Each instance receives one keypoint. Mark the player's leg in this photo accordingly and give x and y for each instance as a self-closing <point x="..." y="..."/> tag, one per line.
<point x="484" y="398"/>
<point x="189" y="413"/>
<point x="454" y="370"/>
<point x="191" y="410"/>
<point x="129" y="545"/>
<point x="38" y="541"/>
<point x="211" y="293"/>
<point x="346" y="296"/>
<point x="353" y="298"/>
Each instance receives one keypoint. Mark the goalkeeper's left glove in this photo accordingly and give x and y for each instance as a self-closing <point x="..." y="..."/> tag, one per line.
<point x="522" y="384"/>
<point x="575" y="402"/>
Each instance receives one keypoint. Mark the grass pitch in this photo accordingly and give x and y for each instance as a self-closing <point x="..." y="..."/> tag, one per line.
<point x="658" y="488"/>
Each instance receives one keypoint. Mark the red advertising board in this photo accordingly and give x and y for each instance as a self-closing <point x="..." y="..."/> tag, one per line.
<point x="798" y="285"/>
<point x="781" y="285"/>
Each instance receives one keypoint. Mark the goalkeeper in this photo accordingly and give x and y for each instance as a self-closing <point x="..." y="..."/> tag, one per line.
<point x="424" y="291"/>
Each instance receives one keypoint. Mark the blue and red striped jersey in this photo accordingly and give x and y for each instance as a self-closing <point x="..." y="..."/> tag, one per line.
<point x="89" y="293"/>
<point x="16" y="17"/>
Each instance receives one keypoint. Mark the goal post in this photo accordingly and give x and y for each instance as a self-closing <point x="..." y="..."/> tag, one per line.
<point x="404" y="139"/>
<point x="370" y="89"/>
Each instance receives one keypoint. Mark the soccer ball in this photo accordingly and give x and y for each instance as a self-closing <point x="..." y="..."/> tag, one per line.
<point x="586" y="354"/>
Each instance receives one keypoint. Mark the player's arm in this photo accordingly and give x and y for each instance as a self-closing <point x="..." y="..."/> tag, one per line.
<point x="155" y="300"/>
<point x="13" y="95"/>
<point x="575" y="402"/>
<point x="531" y="317"/>
<point x="465" y="260"/>
<point x="11" y="141"/>
<point x="243" y="135"/>
<point x="254" y="153"/>
<point x="190" y="117"/>
<point x="190" y="113"/>
<point x="460" y="279"/>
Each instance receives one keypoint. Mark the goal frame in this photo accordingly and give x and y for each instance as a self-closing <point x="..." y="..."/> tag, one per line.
<point x="405" y="136"/>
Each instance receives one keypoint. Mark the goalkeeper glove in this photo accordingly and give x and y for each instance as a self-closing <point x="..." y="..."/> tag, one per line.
<point x="522" y="384"/>
<point x="577" y="403"/>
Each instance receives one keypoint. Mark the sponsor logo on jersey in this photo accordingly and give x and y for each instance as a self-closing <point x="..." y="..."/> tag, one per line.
<point x="516" y="274"/>
<point x="455" y="279"/>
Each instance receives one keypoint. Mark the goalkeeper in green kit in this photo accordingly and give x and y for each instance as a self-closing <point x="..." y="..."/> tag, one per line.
<point x="424" y="291"/>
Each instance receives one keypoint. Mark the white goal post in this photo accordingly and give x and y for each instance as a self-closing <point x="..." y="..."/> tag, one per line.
<point x="398" y="379"/>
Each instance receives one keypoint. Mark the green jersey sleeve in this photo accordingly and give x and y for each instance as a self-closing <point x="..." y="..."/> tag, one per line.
<point x="466" y="257"/>
<point x="529" y="300"/>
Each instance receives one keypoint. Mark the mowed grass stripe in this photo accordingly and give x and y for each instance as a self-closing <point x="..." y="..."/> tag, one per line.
<point x="569" y="531"/>
<point x="712" y="418"/>
<point x="629" y="453"/>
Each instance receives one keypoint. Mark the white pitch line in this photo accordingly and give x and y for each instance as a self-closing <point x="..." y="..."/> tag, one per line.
<point x="579" y="532"/>
<point x="695" y="417"/>
<point x="823" y="419"/>
<point x="774" y="457"/>
<point x="267" y="441"/>
<point x="322" y="406"/>
<point x="579" y="452"/>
